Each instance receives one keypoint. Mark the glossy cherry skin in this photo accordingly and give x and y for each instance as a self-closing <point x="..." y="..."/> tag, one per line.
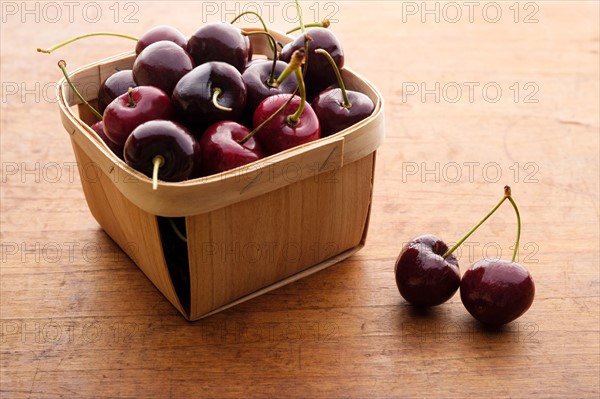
<point x="98" y="127"/>
<point x="319" y="74"/>
<point x="120" y="118"/>
<point x="334" y="117"/>
<point x="423" y="276"/>
<point x="278" y="135"/>
<point x="221" y="151"/>
<point x="192" y="96"/>
<point x="158" y="33"/>
<point x="113" y="86"/>
<point x="497" y="292"/>
<point x="172" y="141"/>
<point x="256" y="77"/>
<point x="162" y="64"/>
<point x="220" y="42"/>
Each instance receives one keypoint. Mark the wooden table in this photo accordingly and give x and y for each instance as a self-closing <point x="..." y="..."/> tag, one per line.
<point x="477" y="96"/>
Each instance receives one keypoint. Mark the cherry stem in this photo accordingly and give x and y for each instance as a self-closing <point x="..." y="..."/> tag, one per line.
<point x="295" y="64"/>
<point x="295" y="117"/>
<point x="512" y="202"/>
<point x="323" y="24"/>
<point x="176" y="230"/>
<point x="131" y="103"/>
<point x="346" y="103"/>
<point x="302" y="27"/>
<point x="216" y="93"/>
<point x="271" y="82"/>
<point x="271" y="39"/>
<point x="506" y="196"/>
<point x="307" y="38"/>
<point x="266" y="121"/>
<point x="158" y="161"/>
<point x="57" y="46"/>
<point x="63" y="67"/>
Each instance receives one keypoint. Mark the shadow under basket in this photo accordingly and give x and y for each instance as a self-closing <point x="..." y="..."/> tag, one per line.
<point x="248" y="230"/>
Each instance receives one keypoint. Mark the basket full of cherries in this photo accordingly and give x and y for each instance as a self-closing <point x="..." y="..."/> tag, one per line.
<point x="227" y="163"/>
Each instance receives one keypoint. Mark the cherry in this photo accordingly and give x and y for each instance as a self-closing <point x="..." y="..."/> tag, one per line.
<point x="161" y="64"/>
<point x="221" y="150"/>
<point x="115" y="85"/>
<point x="163" y="150"/>
<point x="285" y="121"/>
<point x="211" y="92"/>
<point x="257" y="76"/>
<point x="318" y="74"/>
<point x="261" y="79"/>
<point x="98" y="127"/>
<point x="220" y="42"/>
<point x="158" y="33"/>
<point x="128" y="111"/>
<point x="423" y="276"/>
<point x="497" y="292"/>
<point x="339" y="108"/>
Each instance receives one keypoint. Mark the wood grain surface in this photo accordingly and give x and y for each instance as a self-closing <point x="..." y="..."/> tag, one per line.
<point x="478" y="95"/>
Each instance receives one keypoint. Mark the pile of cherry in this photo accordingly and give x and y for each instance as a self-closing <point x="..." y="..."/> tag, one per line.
<point x="195" y="107"/>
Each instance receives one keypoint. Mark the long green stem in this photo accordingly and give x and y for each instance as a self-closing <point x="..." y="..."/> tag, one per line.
<point x="295" y="117"/>
<point x="518" y="228"/>
<point x="307" y="38"/>
<point x="59" y="45"/>
<point x="295" y="63"/>
<point x="302" y="27"/>
<point x="346" y="104"/>
<point x="458" y="244"/>
<point x="271" y="82"/>
<point x="323" y="24"/>
<point x="294" y="66"/>
<point x="63" y="67"/>
<point x="271" y="40"/>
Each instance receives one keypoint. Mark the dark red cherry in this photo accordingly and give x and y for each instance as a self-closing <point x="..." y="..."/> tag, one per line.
<point x="497" y="292"/>
<point x="221" y="150"/>
<point x="98" y="127"/>
<point x="128" y="111"/>
<point x="423" y="276"/>
<point x="257" y="61"/>
<point x="161" y="64"/>
<point x="257" y="77"/>
<point x="211" y="92"/>
<point x="335" y="116"/>
<point x="280" y="134"/>
<point x="116" y="84"/>
<point x="168" y="141"/>
<point x="158" y="33"/>
<point x="319" y="74"/>
<point x="220" y="42"/>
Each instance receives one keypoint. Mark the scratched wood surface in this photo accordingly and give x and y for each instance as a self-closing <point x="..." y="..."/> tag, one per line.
<point x="478" y="96"/>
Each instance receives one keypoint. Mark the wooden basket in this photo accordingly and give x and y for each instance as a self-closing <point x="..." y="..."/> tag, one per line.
<point x="249" y="230"/>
